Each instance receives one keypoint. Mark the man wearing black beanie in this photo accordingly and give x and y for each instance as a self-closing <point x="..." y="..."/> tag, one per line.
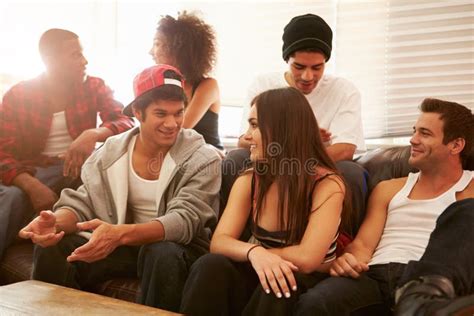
<point x="307" y="46"/>
<point x="336" y="103"/>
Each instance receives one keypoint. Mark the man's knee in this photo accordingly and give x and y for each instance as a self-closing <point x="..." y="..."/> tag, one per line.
<point x="318" y="300"/>
<point x="60" y="251"/>
<point x="50" y="263"/>
<point x="162" y="251"/>
<point x="13" y="198"/>
<point x="210" y="265"/>
<point x="165" y="255"/>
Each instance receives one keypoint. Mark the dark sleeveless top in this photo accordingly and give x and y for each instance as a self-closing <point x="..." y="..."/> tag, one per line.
<point x="208" y="126"/>
<point x="276" y="239"/>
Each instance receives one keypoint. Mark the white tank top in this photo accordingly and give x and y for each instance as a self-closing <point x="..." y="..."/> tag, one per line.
<point x="145" y="195"/>
<point x="59" y="139"/>
<point x="410" y="222"/>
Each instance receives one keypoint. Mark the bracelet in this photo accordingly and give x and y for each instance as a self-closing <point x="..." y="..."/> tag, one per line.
<point x="250" y="249"/>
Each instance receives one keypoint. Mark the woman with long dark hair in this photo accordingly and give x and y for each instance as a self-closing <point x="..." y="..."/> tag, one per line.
<point x="189" y="44"/>
<point x="293" y="200"/>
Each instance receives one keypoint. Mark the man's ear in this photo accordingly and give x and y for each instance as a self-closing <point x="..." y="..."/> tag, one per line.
<point x="457" y="145"/>
<point x="137" y="114"/>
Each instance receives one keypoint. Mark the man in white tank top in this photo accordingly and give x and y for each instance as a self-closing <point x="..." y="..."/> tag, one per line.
<point x="147" y="206"/>
<point x="417" y="229"/>
<point x="48" y="128"/>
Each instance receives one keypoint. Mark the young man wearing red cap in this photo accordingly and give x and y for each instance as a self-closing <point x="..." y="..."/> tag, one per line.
<point x="149" y="200"/>
<point x="48" y="128"/>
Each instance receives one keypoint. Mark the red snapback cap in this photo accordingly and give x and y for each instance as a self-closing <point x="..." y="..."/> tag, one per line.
<point x="151" y="78"/>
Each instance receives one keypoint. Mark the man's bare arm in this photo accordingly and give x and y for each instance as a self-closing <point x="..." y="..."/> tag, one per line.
<point x="41" y="196"/>
<point x="358" y="253"/>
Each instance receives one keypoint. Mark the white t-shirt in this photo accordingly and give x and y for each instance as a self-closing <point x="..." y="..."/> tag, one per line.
<point x="59" y="139"/>
<point x="145" y="195"/>
<point x="335" y="101"/>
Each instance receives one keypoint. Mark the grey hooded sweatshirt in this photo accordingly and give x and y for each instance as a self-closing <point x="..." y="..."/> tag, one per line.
<point x="188" y="207"/>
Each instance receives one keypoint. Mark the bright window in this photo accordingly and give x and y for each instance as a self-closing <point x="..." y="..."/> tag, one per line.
<point x="395" y="52"/>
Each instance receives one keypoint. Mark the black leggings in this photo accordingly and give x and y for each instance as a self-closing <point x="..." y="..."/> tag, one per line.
<point x="219" y="286"/>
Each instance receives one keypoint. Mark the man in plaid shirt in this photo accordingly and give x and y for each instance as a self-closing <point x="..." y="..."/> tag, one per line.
<point x="48" y="128"/>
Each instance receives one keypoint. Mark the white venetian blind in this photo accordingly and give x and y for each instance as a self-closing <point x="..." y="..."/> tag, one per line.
<point x="399" y="52"/>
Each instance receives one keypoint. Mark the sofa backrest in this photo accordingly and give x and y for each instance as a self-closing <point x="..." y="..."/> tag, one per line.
<point x="389" y="163"/>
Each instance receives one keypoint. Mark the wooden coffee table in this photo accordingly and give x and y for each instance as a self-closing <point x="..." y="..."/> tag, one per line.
<point x="40" y="298"/>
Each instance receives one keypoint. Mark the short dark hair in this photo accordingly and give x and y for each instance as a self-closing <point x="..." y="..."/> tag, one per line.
<point x="52" y="39"/>
<point x="458" y="122"/>
<point x="306" y="50"/>
<point x="166" y="92"/>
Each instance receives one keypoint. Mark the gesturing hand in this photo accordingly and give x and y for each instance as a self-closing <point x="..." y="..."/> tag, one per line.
<point x="80" y="149"/>
<point x="347" y="265"/>
<point x="105" y="238"/>
<point x="273" y="272"/>
<point x="42" y="230"/>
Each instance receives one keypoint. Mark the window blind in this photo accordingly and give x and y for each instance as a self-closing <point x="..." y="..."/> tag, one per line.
<point x="399" y="52"/>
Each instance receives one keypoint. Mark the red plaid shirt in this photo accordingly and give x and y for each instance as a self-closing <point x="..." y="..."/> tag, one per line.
<point x="25" y="122"/>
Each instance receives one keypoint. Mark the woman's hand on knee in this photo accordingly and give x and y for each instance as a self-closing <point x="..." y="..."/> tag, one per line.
<point x="275" y="274"/>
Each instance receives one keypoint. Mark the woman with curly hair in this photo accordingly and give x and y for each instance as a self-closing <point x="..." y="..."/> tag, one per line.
<point x="189" y="44"/>
<point x="293" y="198"/>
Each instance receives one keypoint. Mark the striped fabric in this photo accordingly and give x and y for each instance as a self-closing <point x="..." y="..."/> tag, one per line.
<point x="276" y="239"/>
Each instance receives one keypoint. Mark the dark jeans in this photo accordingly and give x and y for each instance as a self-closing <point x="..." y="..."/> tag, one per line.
<point x="343" y="296"/>
<point x="234" y="163"/>
<point x="15" y="207"/>
<point x="450" y="250"/>
<point x="356" y="178"/>
<point x="162" y="267"/>
<point x="450" y="253"/>
<point x="219" y="286"/>
<point x="354" y="174"/>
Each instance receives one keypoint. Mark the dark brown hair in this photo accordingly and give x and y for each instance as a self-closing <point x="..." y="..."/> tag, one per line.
<point x="191" y="42"/>
<point x="292" y="149"/>
<point x="458" y="122"/>
<point x="306" y="50"/>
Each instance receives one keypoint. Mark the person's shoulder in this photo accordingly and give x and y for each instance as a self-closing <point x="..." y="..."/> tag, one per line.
<point x="468" y="192"/>
<point x="388" y="188"/>
<point x="208" y="86"/>
<point x="23" y="86"/>
<point x="190" y="146"/>
<point x="208" y="82"/>
<point x="339" y="82"/>
<point x="93" y="79"/>
<point x="264" y="82"/>
<point x="208" y="151"/>
<point x="114" y="146"/>
<point x="329" y="181"/>
<point x="245" y="178"/>
<point x="92" y="82"/>
<point x="271" y="80"/>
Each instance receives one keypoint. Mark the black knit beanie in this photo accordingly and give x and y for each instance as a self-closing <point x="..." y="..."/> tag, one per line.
<point x="307" y="31"/>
